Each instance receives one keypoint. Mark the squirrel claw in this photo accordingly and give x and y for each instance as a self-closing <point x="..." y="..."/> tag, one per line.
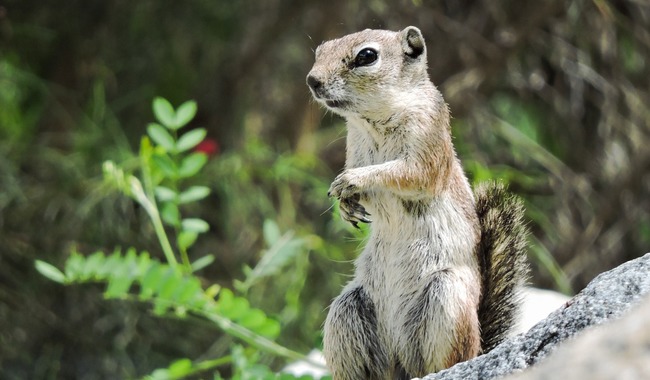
<point x="352" y="211"/>
<point x="344" y="186"/>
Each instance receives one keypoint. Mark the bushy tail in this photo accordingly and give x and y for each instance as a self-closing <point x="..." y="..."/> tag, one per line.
<point x="502" y="255"/>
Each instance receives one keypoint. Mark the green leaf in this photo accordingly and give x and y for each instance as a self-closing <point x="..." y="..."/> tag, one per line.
<point x="213" y="290"/>
<point x="192" y="164"/>
<point x="271" y="232"/>
<point x="146" y="148"/>
<point x="165" y="194"/>
<point x="186" y="239"/>
<point x="195" y="225"/>
<point x="185" y="113"/>
<point x="130" y="262"/>
<point x="161" y="137"/>
<point x="74" y="265"/>
<point x="180" y="368"/>
<point x="202" y="262"/>
<point x="93" y="265"/>
<point x="276" y="257"/>
<point x="170" y="214"/>
<point x="237" y="309"/>
<point x="253" y="319"/>
<point x="111" y="264"/>
<point x="189" y="290"/>
<point x="163" y="285"/>
<point x="118" y="286"/>
<point x="151" y="281"/>
<point x="143" y="263"/>
<point x="226" y="297"/>
<point x="190" y="139"/>
<point x="270" y="328"/>
<point x="50" y="271"/>
<point x="193" y="194"/>
<point x="160" y="374"/>
<point x="169" y="284"/>
<point x="164" y="112"/>
<point x="161" y="306"/>
<point x="165" y="164"/>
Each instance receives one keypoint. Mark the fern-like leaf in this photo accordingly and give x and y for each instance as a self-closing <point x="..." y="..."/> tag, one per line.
<point x="137" y="275"/>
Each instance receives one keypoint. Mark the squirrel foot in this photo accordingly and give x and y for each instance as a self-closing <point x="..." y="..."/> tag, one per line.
<point x="352" y="211"/>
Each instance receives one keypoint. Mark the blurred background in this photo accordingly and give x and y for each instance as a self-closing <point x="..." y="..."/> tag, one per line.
<point x="550" y="97"/>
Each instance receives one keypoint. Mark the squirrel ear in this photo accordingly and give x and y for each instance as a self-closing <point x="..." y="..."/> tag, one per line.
<point x="412" y="42"/>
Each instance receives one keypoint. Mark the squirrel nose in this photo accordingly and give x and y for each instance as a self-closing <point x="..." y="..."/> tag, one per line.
<point x="313" y="82"/>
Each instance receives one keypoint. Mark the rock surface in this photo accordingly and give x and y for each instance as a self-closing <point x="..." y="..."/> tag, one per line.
<point x="619" y="350"/>
<point x="607" y="297"/>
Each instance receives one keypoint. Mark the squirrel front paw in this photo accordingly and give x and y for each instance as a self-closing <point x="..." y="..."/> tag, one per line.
<point x="345" y="185"/>
<point x="347" y="189"/>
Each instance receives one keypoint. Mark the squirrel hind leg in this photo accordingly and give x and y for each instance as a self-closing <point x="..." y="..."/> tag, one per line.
<point x="351" y="344"/>
<point x="440" y="331"/>
<point x="400" y="373"/>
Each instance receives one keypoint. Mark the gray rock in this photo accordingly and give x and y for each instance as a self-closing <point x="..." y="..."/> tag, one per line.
<point x="607" y="297"/>
<point x="619" y="350"/>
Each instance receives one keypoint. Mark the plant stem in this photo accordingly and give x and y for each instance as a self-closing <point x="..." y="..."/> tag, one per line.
<point x="162" y="238"/>
<point x="150" y="205"/>
<point x="200" y="367"/>
<point x="209" y="364"/>
<point x="241" y="332"/>
<point x="254" y="339"/>
<point x="185" y="259"/>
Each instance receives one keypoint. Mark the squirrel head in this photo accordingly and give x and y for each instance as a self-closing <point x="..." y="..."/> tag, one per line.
<point x="371" y="72"/>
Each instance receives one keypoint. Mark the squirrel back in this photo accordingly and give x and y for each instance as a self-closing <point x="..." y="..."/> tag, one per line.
<point x="502" y="257"/>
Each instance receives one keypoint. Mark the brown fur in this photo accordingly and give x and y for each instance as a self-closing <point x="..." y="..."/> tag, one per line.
<point x="468" y="342"/>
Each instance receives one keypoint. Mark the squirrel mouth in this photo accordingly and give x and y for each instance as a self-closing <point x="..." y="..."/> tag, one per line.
<point x="336" y="103"/>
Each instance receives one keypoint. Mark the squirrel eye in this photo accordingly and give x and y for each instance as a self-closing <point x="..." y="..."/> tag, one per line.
<point x="366" y="57"/>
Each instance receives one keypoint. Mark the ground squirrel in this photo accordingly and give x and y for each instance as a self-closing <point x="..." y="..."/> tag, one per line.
<point x="436" y="282"/>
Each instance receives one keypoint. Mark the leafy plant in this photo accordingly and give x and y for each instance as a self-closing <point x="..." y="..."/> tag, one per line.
<point x="282" y="249"/>
<point x="136" y="276"/>
<point x="245" y="368"/>
<point x="166" y="164"/>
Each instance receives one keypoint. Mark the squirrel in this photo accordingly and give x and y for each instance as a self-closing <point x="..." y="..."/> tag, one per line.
<point x="437" y="281"/>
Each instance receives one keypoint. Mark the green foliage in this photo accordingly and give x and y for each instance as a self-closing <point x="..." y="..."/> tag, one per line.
<point x="302" y="241"/>
<point x="50" y="271"/>
<point x="182" y="368"/>
<point x="170" y="163"/>
<point x="164" y="169"/>
<point x="15" y="124"/>
<point x="172" y="289"/>
<point x="138" y="277"/>
<point x="168" y="289"/>
<point x="282" y="249"/>
<point x="245" y="367"/>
